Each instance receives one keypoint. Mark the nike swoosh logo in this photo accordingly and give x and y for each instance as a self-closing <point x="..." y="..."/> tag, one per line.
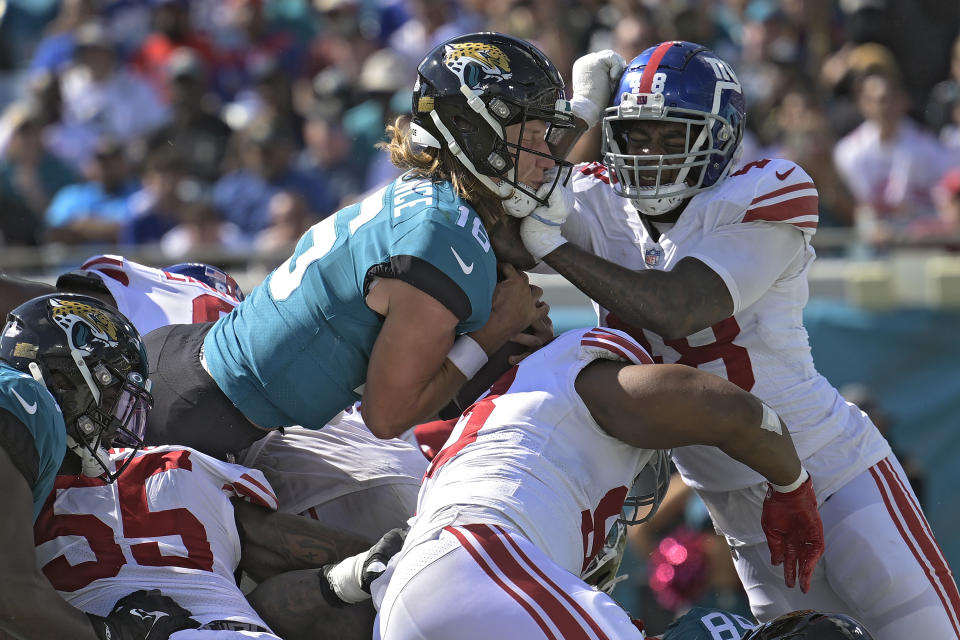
<point x="467" y="268"/>
<point x="783" y="176"/>
<point x="29" y="408"/>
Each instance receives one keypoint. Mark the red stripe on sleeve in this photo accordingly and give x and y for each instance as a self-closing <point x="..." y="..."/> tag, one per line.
<point x="646" y="80"/>
<point x="782" y="211"/>
<point x="779" y="192"/>
<point x="631" y="347"/>
<point x="101" y="260"/>
<point x="119" y="276"/>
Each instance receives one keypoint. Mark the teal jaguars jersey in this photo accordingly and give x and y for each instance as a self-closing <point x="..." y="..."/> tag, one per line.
<point x="708" y="624"/>
<point x="295" y="351"/>
<point x="43" y="429"/>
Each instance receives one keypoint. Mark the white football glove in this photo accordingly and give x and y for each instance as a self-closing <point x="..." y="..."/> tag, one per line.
<point x="540" y="231"/>
<point x="520" y="205"/>
<point x="594" y="77"/>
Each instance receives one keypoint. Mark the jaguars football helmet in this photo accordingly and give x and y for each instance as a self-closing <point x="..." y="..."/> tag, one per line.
<point x="209" y="275"/>
<point x="678" y="82"/>
<point x="810" y="625"/>
<point x="471" y="88"/>
<point x="93" y="362"/>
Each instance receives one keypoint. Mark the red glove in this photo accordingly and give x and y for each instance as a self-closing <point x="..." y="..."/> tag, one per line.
<point x="794" y="532"/>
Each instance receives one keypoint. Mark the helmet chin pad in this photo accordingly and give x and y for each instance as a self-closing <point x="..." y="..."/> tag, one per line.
<point x="660" y="206"/>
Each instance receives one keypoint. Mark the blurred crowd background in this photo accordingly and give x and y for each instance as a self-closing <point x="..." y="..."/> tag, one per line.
<point x="236" y="124"/>
<point x="222" y="129"/>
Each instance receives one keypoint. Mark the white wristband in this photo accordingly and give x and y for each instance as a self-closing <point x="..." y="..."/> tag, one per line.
<point x="793" y="485"/>
<point x="467" y="356"/>
<point x="345" y="578"/>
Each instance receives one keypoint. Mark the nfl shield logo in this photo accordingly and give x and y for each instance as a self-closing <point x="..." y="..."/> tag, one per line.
<point x="652" y="256"/>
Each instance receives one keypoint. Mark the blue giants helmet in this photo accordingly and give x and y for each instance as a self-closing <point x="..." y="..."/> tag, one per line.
<point x="678" y="82"/>
<point x="209" y="275"/>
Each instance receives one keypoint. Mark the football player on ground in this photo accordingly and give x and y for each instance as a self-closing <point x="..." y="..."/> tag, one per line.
<point x="706" y="264"/>
<point x="184" y="522"/>
<point x="523" y="495"/>
<point x="394" y="299"/>
<point x="73" y="378"/>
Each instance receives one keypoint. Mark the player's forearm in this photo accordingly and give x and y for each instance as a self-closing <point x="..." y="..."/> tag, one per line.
<point x="390" y="412"/>
<point x="763" y="443"/>
<point x="293" y="606"/>
<point x="665" y="302"/>
<point x="276" y="542"/>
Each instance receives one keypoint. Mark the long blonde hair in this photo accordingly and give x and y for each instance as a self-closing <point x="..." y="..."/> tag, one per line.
<point x="440" y="165"/>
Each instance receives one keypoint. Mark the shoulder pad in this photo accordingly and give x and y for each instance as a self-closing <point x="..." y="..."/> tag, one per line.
<point x="611" y="344"/>
<point x="779" y="191"/>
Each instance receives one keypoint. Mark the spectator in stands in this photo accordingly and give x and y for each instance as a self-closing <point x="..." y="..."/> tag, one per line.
<point x="889" y="163"/>
<point x="94" y="211"/>
<point x="328" y="150"/>
<point x="29" y="176"/>
<point x="197" y="135"/>
<point x="55" y="51"/>
<point x="266" y="152"/>
<point x="383" y="74"/>
<point x="289" y="219"/>
<point x="945" y="227"/>
<point x="271" y="96"/>
<point x="98" y="93"/>
<point x="172" y="30"/>
<point x="202" y="226"/>
<point x="155" y="209"/>
<point x="70" y="143"/>
<point x="945" y="95"/>
<point x="243" y="36"/>
<point x="797" y="129"/>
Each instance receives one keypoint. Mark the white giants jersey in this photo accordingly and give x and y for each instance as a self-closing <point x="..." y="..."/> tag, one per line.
<point x="152" y="298"/>
<point x="754" y="231"/>
<point x="166" y="523"/>
<point x="529" y="456"/>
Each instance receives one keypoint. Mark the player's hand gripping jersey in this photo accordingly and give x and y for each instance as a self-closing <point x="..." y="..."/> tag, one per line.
<point x="754" y="230"/>
<point x="167" y="523"/>
<point x="302" y="339"/>
<point x="153" y="298"/>
<point x="535" y="461"/>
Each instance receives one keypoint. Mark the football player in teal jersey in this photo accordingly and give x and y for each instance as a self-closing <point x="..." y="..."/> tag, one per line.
<point x="394" y="300"/>
<point x="73" y="379"/>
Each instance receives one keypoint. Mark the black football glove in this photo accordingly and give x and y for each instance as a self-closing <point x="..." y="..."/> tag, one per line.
<point x="143" y="615"/>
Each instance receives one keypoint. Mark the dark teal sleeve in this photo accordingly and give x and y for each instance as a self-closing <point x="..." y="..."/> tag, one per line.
<point x="33" y="432"/>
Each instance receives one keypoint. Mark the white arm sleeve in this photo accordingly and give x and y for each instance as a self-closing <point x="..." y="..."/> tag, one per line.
<point x="749" y="257"/>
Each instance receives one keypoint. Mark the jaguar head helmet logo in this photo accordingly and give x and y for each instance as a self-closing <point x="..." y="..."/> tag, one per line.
<point x="474" y="62"/>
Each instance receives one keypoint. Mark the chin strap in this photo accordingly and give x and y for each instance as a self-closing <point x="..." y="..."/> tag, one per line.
<point x="92" y="466"/>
